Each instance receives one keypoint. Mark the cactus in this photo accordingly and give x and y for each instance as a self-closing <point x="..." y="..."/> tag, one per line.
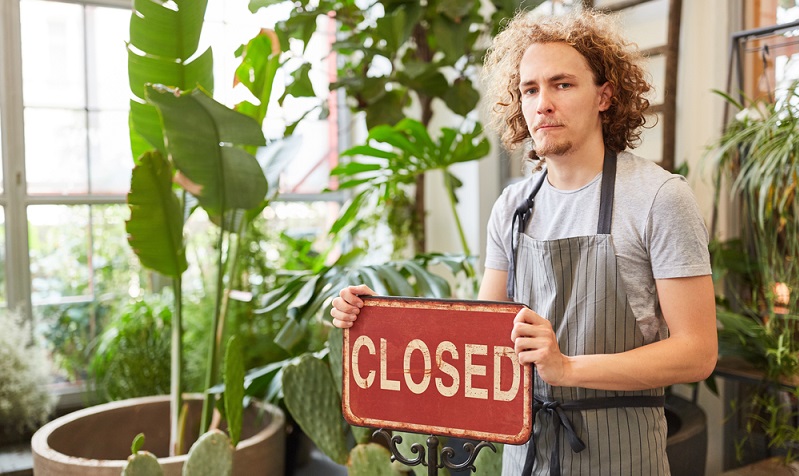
<point x="234" y="388"/>
<point x="371" y="459"/>
<point x="211" y="455"/>
<point x="310" y="395"/>
<point x="143" y="463"/>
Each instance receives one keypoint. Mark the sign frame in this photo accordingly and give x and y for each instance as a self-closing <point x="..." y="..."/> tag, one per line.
<point x="445" y="309"/>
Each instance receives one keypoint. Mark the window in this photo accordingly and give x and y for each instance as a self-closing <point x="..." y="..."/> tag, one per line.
<point x="67" y="161"/>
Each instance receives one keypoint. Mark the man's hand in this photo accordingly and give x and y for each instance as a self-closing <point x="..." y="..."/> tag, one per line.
<point x="535" y="343"/>
<point x="347" y="305"/>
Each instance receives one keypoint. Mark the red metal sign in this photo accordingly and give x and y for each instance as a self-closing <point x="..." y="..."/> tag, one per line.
<point x="436" y="366"/>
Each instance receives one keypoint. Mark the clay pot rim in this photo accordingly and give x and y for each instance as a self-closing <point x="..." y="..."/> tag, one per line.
<point x="41" y="446"/>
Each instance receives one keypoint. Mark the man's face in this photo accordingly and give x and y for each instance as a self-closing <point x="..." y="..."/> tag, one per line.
<point x="560" y="100"/>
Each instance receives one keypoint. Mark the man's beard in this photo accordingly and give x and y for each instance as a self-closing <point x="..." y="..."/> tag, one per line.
<point x="552" y="148"/>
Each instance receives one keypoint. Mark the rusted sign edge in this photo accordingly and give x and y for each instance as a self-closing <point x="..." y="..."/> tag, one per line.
<point x="438" y="304"/>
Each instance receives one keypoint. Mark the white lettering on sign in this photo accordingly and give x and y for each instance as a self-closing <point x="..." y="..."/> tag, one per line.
<point x="414" y="387"/>
<point x="356" y="370"/>
<point x="510" y="394"/>
<point x="473" y="369"/>
<point x="447" y="368"/>
<point x="359" y="362"/>
<point x="385" y="383"/>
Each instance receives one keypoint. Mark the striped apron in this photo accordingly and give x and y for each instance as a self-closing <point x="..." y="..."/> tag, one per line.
<point x="574" y="283"/>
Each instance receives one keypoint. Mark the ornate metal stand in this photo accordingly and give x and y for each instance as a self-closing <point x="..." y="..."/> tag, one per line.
<point x="431" y="462"/>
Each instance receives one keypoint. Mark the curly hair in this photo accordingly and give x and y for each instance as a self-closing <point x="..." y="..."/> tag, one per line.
<point x="611" y="58"/>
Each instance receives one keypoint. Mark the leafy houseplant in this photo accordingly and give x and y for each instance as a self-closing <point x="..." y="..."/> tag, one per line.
<point x="759" y="152"/>
<point x="25" y="402"/>
<point x="399" y="56"/>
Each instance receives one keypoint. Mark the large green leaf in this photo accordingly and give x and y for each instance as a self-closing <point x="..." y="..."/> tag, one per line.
<point x="259" y="62"/>
<point x="164" y="37"/>
<point x="155" y="227"/>
<point x="201" y="139"/>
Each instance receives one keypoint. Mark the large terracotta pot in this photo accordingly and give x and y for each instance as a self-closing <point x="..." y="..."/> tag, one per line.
<point x="96" y="441"/>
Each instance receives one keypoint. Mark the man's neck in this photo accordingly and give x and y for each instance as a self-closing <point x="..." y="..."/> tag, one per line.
<point x="576" y="169"/>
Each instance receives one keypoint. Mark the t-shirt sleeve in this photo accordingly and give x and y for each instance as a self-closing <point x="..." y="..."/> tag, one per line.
<point x="498" y="235"/>
<point x="676" y="233"/>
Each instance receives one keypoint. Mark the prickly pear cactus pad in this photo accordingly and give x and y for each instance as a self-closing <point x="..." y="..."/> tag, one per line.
<point x="371" y="459"/>
<point x="311" y="397"/>
<point x="211" y="455"/>
<point x="143" y="463"/>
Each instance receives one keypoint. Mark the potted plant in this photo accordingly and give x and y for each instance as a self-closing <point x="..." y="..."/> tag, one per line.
<point x="25" y="402"/>
<point x="187" y="139"/>
<point x="759" y="305"/>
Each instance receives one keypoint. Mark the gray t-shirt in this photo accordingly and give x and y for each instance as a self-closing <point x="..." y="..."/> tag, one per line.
<point x="657" y="229"/>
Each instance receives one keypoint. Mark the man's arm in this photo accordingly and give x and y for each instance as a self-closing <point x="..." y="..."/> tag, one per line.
<point x="493" y="287"/>
<point x="687" y="355"/>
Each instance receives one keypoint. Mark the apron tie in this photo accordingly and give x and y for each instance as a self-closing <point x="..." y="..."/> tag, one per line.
<point x="559" y="410"/>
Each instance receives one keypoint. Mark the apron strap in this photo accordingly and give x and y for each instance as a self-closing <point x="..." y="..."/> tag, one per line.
<point x="525" y="210"/>
<point x="522" y="215"/>
<point x="606" y="195"/>
<point x="558" y="410"/>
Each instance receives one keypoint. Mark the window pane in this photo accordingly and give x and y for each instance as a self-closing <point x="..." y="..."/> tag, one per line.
<point x="115" y="268"/>
<point x="107" y="61"/>
<point x="59" y="252"/>
<point x="52" y="54"/>
<point x="110" y="163"/>
<point x="55" y="151"/>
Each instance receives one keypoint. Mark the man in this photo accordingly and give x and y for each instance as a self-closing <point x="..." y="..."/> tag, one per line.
<point x="607" y="250"/>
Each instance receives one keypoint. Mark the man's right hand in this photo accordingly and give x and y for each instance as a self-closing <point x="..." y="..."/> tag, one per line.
<point x="347" y="305"/>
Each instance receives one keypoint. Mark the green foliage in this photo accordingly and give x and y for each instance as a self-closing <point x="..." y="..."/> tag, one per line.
<point x="310" y="395"/>
<point x="234" y="389"/>
<point x="163" y="49"/>
<point x="138" y="442"/>
<point x="142" y="463"/>
<point x="202" y="137"/>
<point x="371" y="459"/>
<point x="131" y="358"/>
<point x="759" y="312"/>
<point x="25" y="402"/>
<point x="392" y="50"/>
<point x="70" y="331"/>
<point x="153" y="208"/>
<point x="395" y="156"/>
<point x="302" y="297"/>
<point x="211" y="455"/>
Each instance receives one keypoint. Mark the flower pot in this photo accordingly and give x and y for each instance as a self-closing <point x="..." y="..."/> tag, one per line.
<point x="96" y="441"/>
<point x="686" y="444"/>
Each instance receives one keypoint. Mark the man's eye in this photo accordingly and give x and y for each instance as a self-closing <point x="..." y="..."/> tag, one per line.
<point x="564" y="85"/>
<point x="530" y="90"/>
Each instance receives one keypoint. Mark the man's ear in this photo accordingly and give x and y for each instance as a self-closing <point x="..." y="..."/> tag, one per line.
<point x="605" y="94"/>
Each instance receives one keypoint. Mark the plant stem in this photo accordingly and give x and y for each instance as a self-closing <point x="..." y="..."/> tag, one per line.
<point x="215" y="335"/>
<point x="176" y="387"/>
<point x="452" y="204"/>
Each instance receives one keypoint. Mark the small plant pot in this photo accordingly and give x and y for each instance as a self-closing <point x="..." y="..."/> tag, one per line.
<point x="96" y="441"/>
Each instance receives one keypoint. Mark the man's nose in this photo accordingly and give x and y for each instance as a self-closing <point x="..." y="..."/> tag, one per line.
<point x="545" y="105"/>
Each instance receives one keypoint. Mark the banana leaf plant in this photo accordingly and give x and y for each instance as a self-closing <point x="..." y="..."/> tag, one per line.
<point x="394" y="156"/>
<point x="203" y="140"/>
<point x="163" y="49"/>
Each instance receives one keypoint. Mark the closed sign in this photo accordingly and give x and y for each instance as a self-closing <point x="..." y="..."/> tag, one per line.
<point x="435" y="366"/>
